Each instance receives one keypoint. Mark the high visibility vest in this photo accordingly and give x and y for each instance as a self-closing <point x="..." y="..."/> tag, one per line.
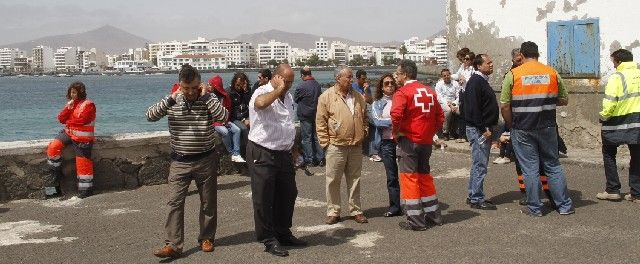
<point x="82" y="133"/>
<point x="620" y="113"/>
<point x="534" y="96"/>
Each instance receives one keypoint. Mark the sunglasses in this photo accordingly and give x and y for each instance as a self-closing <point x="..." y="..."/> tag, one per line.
<point x="467" y="58"/>
<point x="387" y="83"/>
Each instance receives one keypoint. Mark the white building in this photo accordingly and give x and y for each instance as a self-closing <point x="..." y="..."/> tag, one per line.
<point x="273" y="50"/>
<point x="111" y="60"/>
<point x="322" y="49"/>
<point x="130" y="66"/>
<point x="43" y="59"/>
<point x="440" y="50"/>
<point x="8" y="56"/>
<point x="66" y="59"/>
<point x="197" y="46"/>
<point x="339" y="52"/>
<point x="199" y="61"/>
<point x="165" y="48"/>
<point x="237" y="53"/>
<point x="365" y="52"/>
<point x="140" y="54"/>
<point x="298" y="55"/>
<point x="385" y="53"/>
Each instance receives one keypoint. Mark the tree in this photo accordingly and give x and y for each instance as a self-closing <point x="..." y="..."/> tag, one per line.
<point x="272" y="62"/>
<point x="357" y="60"/>
<point x="403" y="50"/>
<point x="372" y="61"/>
<point x="313" y="60"/>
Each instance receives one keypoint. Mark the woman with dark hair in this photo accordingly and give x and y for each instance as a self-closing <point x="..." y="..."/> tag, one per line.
<point x="240" y="94"/>
<point x="78" y="117"/>
<point x="381" y="117"/>
<point x="228" y="131"/>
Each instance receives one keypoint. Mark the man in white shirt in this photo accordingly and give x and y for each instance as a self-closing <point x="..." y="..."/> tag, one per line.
<point x="448" y="93"/>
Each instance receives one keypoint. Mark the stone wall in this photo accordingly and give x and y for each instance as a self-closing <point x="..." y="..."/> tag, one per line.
<point x="119" y="164"/>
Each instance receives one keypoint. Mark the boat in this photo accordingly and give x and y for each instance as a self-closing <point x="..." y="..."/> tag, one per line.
<point x="63" y="75"/>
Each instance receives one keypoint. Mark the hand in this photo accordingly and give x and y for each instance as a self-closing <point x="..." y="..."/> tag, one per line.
<point x="175" y="94"/>
<point x="366" y="87"/>
<point x="204" y="88"/>
<point x="278" y="84"/>
<point x="487" y="134"/>
<point x="246" y="122"/>
<point x="70" y="104"/>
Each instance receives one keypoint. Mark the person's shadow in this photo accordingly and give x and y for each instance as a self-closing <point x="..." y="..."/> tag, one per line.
<point x="4" y="210"/>
<point x="514" y="196"/>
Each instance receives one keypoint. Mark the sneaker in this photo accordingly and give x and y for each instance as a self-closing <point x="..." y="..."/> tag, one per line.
<point x="237" y="158"/>
<point x="562" y="155"/>
<point x="527" y="212"/>
<point x="609" y="196"/>
<point x="375" y="158"/>
<point x="630" y="198"/>
<point x="570" y="212"/>
<point x="504" y="160"/>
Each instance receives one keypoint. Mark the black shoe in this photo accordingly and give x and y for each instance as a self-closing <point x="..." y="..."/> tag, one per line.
<point x="390" y="214"/>
<point x="483" y="206"/>
<point x="322" y="163"/>
<point x="293" y="241"/>
<point x="527" y="212"/>
<point x="468" y="200"/>
<point x="85" y="194"/>
<point x="276" y="250"/>
<point x="406" y="226"/>
<point x="523" y="201"/>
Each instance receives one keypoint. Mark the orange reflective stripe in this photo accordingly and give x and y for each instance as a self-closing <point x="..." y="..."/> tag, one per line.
<point x="55" y="149"/>
<point x="84" y="166"/>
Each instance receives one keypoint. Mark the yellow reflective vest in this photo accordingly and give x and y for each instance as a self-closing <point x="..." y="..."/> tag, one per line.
<point x="620" y="113"/>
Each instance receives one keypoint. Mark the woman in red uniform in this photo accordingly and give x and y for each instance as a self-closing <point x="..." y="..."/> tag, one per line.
<point x="78" y="117"/>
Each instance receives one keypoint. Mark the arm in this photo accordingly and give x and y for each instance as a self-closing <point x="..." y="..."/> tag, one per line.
<point x="87" y="116"/>
<point x="322" y="126"/>
<point x="563" y="96"/>
<point x="298" y="94"/>
<point x="609" y="102"/>
<point x="505" y="99"/>
<point x="265" y="100"/>
<point x="159" y="109"/>
<point x="367" y="94"/>
<point x="398" y="105"/>
<point x="376" y="112"/>
<point x="64" y="114"/>
<point x="439" y="115"/>
<point x="218" y="112"/>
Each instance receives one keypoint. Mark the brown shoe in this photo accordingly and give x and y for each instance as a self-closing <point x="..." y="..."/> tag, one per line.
<point x="332" y="220"/>
<point x="360" y="219"/>
<point x="168" y="252"/>
<point x="207" y="245"/>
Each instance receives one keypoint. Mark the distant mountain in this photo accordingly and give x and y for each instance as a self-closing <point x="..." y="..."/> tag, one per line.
<point x="108" y="39"/>
<point x="302" y="40"/>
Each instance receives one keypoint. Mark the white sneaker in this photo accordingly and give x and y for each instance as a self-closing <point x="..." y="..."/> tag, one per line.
<point x="375" y="158"/>
<point x="609" y="196"/>
<point x="504" y="160"/>
<point x="237" y="158"/>
<point x="630" y="198"/>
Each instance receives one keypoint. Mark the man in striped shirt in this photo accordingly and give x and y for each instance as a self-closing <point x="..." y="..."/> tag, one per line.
<point x="191" y="113"/>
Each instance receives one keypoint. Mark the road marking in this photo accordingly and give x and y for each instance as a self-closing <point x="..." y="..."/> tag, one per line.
<point x="300" y="202"/>
<point x="13" y="233"/>
<point x="71" y="202"/>
<point x="119" y="211"/>
<point x="365" y="240"/>
<point x="454" y="174"/>
<point x="318" y="228"/>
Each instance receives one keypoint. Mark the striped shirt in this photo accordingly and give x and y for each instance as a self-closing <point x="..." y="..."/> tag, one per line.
<point x="272" y="127"/>
<point x="190" y="123"/>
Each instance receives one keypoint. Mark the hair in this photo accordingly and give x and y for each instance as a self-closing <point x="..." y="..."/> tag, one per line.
<point x="515" y="52"/>
<point x="529" y="50"/>
<point x="338" y="70"/>
<point x="379" y="92"/>
<point x="80" y="89"/>
<point x="305" y="71"/>
<point x="240" y="75"/>
<point x="622" y="55"/>
<point x="266" y="73"/>
<point x="359" y="73"/>
<point x="409" y="67"/>
<point x="188" y="74"/>
<point x="478" y="60"/>
<point x="281" y="69"/>
<point x="471" y="55"/>
<point x="444" y="70"/>
<point x="462" y="52"/>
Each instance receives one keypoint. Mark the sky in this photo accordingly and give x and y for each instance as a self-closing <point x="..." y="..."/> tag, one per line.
<point x="164" y="20"/>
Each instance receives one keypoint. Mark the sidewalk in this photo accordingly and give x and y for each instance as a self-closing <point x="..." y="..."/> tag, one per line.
<point x="584" y="157"/>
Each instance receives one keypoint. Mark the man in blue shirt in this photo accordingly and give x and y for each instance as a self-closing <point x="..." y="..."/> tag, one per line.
<point x="361" y="85"/>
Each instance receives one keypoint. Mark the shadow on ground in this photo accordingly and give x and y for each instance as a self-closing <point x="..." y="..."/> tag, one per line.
<point x="4" y="210"/>
<point x="514" y="197"/>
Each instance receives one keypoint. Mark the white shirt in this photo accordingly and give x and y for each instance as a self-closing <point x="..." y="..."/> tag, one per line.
<point x="272" y="127"/>
<point x="447" y="92"/>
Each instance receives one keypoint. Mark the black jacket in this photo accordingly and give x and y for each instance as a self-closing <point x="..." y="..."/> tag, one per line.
<point x="480" y="104"/>
<point x="239" y="104"/>
<point x="306" y="96"/>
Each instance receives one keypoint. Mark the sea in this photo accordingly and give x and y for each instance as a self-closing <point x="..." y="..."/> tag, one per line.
<point x="29" y="105"/>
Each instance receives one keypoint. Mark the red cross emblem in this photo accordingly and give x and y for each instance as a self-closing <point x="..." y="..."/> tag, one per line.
<point x="423" y="99"/>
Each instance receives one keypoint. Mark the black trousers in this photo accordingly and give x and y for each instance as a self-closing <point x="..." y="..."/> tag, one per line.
<point x="609" y="153"/>
<point x="274" y="192"/>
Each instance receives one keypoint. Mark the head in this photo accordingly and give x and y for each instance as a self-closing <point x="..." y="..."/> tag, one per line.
<point x="285" y="71"/>
<point x="620" y="56"/>
<point x="264" y="75"/>
<point x="467" y="60"/>
<point x="344" y="77"/>
<point x="76" y="91"/>
<point x="406" y="71"/>
<point x="305" y="72"/>
<point x="240" y="82"/>
<point x="529" y="50"/>
<point x="445" y="74"/>
<point x="386" y="86"/>
<point x="361" y="77"/>
<point x="483" y="64"/>
<point x="215" y="83"/>
<point x="516" y="57"/>
<point x="461" y="53"/>
<point x="189" y="79"/>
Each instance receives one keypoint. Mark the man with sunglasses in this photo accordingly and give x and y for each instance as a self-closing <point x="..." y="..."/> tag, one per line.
<point x="264" y="76"/>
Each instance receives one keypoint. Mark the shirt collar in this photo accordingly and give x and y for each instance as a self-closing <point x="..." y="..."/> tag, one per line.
<point x="486" y="77"/>
<point x="410" y="81"/>
<point x="627" y="65"/>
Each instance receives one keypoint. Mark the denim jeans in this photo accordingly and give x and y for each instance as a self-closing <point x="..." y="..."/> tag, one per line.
<point x="230" y="135"/>
<point x="244" y="136"/>
<point x="479" y="161"/>
<point x="376" y="137"/>
<point x="311" y="149"/>
<point x="388" y="154"/>
<point x="533" y="147"/>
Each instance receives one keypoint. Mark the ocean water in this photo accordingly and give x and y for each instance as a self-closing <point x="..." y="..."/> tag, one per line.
<point x="29" y="105"/>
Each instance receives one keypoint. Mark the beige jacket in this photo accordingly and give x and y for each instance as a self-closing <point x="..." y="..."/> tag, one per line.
<point x="335" y="124"/>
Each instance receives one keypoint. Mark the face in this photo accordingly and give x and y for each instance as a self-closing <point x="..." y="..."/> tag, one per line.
<point x="388" y="86"/>
<point x="401" y="76"/>
<point x="190" y="90"/>
<point x="288" y="79"/>
<point x="262" y="80"/>
<point x="345" y="78"/>
<point x="240" y="84"/>
<point x="73" y="94"/>
<point x="487" y="66"/>
<point x="517" y="59"/>
<point x="446" y="77"/>
<point x="362" y="80"/>
<point x="467" y="60"/>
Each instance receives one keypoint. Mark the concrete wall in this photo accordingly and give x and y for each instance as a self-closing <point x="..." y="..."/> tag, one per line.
<point x="496" y="27"/>
<point x="119" y="163"/>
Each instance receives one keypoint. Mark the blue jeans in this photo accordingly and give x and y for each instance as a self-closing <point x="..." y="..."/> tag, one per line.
<point x="309" y="142"/>
<point x="533" y="147"/>
<point x="375" y="137"/>
<point x="479" y="161"/>
<point x="230" y="135"/>
<point x="388" y="154"/>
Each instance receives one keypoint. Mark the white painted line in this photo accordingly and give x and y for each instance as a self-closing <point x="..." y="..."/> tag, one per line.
<point x="365" y="240"/>
<point x="119" y="211"/>
<point x="318" y="228"/>
<point x="300" y="202"/>
<point x="454" y="174"/>
<point x="13" y="233"/>
<point x="245" y="194"/>
<point x="71" y="202"/>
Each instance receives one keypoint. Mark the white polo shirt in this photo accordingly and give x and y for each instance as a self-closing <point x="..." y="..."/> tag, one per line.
<point x="272" y="127"/>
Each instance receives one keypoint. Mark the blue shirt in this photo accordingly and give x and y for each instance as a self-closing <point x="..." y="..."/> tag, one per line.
<point x="360" y="89"/>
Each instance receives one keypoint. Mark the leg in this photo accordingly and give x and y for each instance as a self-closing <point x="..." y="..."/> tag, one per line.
<point x="526" y="150"/>
<point x="306" y="141"/>
<point x="205" y="173"/>
<point x="316" y="145"/>
<point x="552" y="168"/>
<point x="54" y="159"/>
<point x="409" y="185"/>
<point x="336" y="162"/>
<point x="236" y="138"/>
<point x="480" y="159"/>
<point x="634" y="171"/>
<point x="178" y="183"/>
<point x="262" y="171"/>
<point x="225" y="136"/>
<point x="428" y="196"/>
<point x="285" y="197"/>
<point x="352" y="175"/>
<point x="561" y="146"/>
<point x="84" y="167"/>
<point x="611" y="168"/>
<point x="244" y="135"/>
<point x="388" y="153"/>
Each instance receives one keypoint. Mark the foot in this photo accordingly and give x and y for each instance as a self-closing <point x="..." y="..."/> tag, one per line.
<point x="523" y="201"/>
<point x="460" y="140"/>
<point x="207" y="245"/>
<point x="322" y="163"/>
<point x="292" y="241"/>
<point x="562" y="155"/>
<point x="375" y="158"/>
<point x="390" y="214"/>
<point x="632" y="199"/>
<point x="527" y="212"/>
<point x="609" y="196"/>
<point x="237" y="158"/>
<point x="406" y="226"/>
<point x="276" y="250"/>
<point x="503" y="160"/>
<point x="483" y="206"/>
<point x="360" y="219"/>
<point x="168" y="252"/>
<point x="330" y="220"/>
<point x="85" y="194"/>
<point x="568" y="212"/>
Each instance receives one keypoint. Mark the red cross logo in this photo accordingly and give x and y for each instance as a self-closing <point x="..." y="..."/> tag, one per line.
<point x="424" y="100"/>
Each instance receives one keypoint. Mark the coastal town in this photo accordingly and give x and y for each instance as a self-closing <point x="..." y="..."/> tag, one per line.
<point x="206" y="54"/>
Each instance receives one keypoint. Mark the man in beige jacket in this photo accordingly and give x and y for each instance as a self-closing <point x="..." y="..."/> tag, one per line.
<point x="341" y="125"/>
